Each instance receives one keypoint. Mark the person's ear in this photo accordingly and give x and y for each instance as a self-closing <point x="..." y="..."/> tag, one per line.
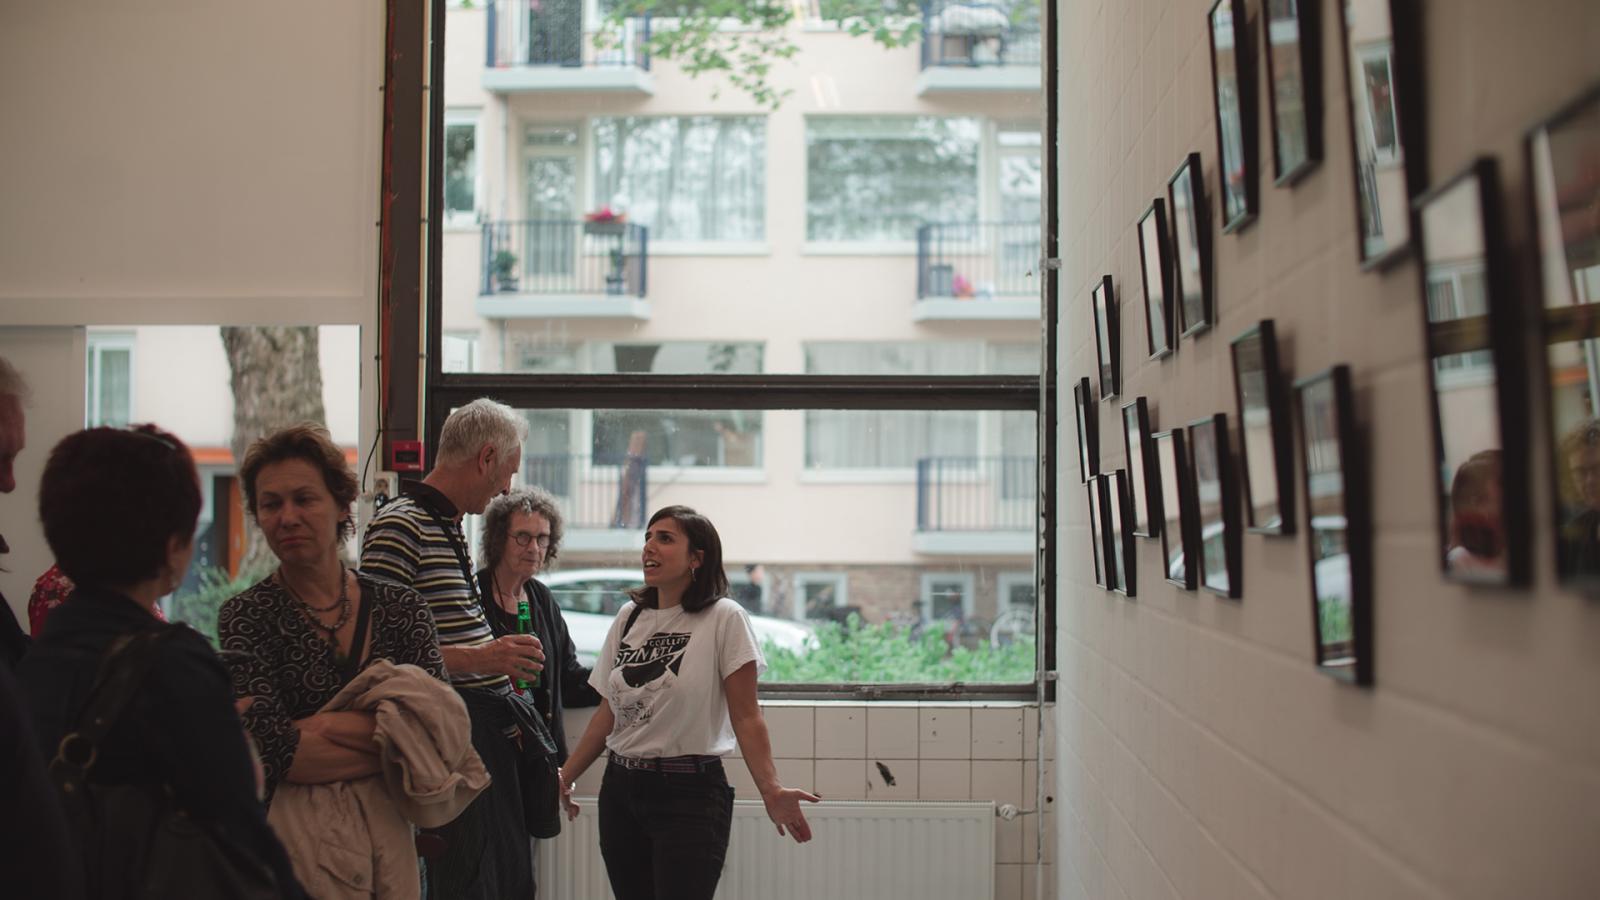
<point x="487" y="458"/>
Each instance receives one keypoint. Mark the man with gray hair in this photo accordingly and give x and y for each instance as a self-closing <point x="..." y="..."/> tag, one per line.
<point x="417" y="541"/>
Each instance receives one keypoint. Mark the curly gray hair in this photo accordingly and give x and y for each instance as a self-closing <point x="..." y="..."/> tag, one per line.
<point x="497" y="522"/>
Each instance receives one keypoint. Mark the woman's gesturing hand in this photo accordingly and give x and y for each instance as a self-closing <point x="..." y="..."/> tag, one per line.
<point x="783" y="808"/>
<point x="567" y="803"/>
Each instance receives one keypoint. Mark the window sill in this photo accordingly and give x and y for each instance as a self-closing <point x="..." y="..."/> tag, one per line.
<point x="709" y="248"/>
<point x="859" y="248"/>
<point x="858" y="476"/>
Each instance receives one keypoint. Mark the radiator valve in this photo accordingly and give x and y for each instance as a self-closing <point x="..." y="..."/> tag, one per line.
<point x="1010" y="811"/>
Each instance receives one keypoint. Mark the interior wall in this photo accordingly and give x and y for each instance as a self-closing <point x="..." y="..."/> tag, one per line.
<point x="1201" y="753"/>
<point x="178" y="162"/>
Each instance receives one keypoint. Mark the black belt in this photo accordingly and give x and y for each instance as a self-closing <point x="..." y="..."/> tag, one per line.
<point x="679" y="765"/>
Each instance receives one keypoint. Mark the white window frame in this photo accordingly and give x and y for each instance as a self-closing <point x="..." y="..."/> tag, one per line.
<point x="588" y="185"/>
<point x="97" y="343"/>
<point x="474" y="342"/>
<point x="1004" y="583"/>
<point x="455" y="117"/>
<point x="968" y="589"/>
<point x="841" y="590"/>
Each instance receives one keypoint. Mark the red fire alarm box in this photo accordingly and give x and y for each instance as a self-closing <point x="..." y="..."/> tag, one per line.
<point x="405" y="456"/>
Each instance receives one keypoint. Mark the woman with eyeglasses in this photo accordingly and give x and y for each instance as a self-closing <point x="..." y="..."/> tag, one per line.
<point x="521" y="535"/>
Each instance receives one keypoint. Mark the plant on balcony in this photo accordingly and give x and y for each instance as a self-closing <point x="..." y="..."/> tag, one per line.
<point x="961" y="287"/>
<point x="605" y="220"/>
<point x="614" y="277"/>
<point x="505" y="271"/>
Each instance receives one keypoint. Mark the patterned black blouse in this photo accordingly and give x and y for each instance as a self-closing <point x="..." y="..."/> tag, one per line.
<point x="276" y="657"/>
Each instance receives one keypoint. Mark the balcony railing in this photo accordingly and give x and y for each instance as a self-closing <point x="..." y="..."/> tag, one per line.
<point x="594" y="495"/>
<point x="552" y="33"/>
<point x="980" y="34"/>
<point x="977" y="493"/>
<point x="977" y="260"/>
<point x="562" y="256"/>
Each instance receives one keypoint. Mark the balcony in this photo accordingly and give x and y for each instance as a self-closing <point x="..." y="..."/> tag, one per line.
<point x="976" y="505"/>
<point x="558" y="268"/>
<point x="542" y="46"/>
<point x="983" y="46"/>
<point x="977" y="271"/>
<point x="605" y="505"/>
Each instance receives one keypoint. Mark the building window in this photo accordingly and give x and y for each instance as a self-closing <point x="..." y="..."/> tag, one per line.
<point x="719" y="438"/>
<point x="1017" y="591"/>
<point x="109" y="395"/>
<point x="691" y="178"/>
<point x="461" y="351"/>
<point x="947" y="595"/>
<point x="461" y="165"/>
<point x="818" y="594"/>
<point x="1459" y="292"/>
<point x="877" y="179"/>
<point x="889" y="439"/>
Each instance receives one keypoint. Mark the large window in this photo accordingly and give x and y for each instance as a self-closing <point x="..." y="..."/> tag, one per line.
<point x="877" y="179"/>
<point x="695" y="178"/>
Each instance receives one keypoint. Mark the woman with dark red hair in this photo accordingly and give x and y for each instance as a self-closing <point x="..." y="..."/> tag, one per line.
<point x="119" y="508"/>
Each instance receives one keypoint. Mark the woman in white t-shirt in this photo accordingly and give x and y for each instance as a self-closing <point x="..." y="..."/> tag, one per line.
<point x="678" y="677"/>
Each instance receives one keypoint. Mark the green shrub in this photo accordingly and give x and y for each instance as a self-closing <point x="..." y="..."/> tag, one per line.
<point x="889" y="654"/>
<point x="198" y="608"/>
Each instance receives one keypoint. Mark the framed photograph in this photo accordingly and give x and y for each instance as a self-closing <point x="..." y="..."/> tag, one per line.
<point x="1475" y="380"/>
<point x="1294" y="86"/>
<point x="1234" y="102"/>
<point x="1107" y="338"/>
<point x="1561" y="165"/>
<point x="1216" y="506"/>
<point x="1120" y="522"/>
<point x="1088" y="430"/>
<point x="1179" y="534"/>
<point x="1375" y="38"/>
<point x="1264" y="439"/>
<point x="1191" y="246"/>
<point x="1143" y="485"/>
<point x="1154" y="270"/>
<point x="1338" y="529"/>
<point x="1099" y="530"/>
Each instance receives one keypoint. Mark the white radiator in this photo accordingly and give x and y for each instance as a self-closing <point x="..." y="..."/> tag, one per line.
<point x="858" y="851"/>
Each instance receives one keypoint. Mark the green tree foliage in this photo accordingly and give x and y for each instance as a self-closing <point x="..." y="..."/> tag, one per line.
<point x="743" y="39"/>
<point x="890" y="654"/>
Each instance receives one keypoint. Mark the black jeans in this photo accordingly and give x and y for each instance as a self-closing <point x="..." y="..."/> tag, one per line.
<point x="664" y="835"/>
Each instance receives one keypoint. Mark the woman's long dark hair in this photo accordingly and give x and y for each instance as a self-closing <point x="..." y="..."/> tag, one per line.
<point x="710" y="582"/>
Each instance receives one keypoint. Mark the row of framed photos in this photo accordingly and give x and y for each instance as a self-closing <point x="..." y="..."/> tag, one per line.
<point x="1180" y="486"/>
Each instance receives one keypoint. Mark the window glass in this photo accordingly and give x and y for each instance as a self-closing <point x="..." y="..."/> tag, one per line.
<point x="696" y="178"/>
<point x="461" y="165"/>
<point x="878" y="179"/>
<point x="110" y="379"/>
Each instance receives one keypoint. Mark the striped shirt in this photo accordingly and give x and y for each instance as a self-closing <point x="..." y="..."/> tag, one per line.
<point x="409" y="545"/>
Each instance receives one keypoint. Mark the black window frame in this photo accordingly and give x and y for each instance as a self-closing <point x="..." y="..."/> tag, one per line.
<point x="442" y="391"/>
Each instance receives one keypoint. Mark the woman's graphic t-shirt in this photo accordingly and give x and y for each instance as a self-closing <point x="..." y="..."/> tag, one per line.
<point x="664" y="679"/>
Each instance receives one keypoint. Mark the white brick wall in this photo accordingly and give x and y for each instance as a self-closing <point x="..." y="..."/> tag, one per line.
<point x="1201" y="755"/>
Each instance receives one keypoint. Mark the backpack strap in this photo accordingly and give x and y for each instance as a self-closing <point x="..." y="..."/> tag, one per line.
<point x="632" y="617"/>
<point x="122" y="672"/>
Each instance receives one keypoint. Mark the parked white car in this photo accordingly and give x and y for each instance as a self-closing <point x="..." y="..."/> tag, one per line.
<point x="589" y="600"/>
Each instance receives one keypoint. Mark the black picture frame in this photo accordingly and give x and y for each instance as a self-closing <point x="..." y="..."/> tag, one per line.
<point x="1216" y="507"/>
<point x="1099" y="531"/>
<point x="1471" y="327"/>
<point x="1143" y="487"/>
<point x="1338" y="526"/>
<point x="1383" y="99"/>
<point x="1233" y="102"/>
<point x="1191" y="247"/>
<point x="1088" y="430"/>
<point x="1122" y="552"/>
<point x="1263" y="409"/>
<point x="1291" y="32"/>
<point x="1559" y="152"/>
<point x="1107" y="337"/>
<point x="1155" y="273"/>
<point x="1178" y="524"/>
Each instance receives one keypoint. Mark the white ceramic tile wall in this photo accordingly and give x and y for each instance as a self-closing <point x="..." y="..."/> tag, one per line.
<point x="1201" y="755"/>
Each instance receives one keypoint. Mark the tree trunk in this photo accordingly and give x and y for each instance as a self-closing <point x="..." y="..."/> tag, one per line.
<point x="276" y="376"/>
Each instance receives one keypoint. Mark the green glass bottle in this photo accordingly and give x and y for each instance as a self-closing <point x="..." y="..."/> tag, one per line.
<point x="525" y="626"/>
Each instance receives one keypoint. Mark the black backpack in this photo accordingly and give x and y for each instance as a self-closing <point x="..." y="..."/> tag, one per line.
<point x="136" y="841"/>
